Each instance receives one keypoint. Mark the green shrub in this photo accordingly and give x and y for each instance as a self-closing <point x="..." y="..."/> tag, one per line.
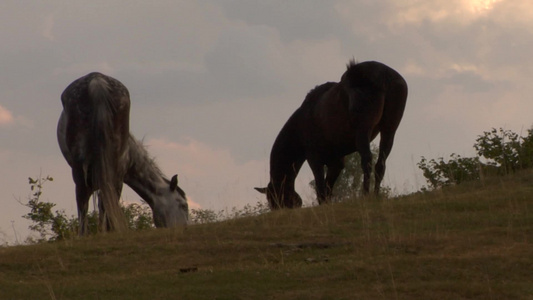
<point x="53" y="225"/>
<point x="499" y="151"/>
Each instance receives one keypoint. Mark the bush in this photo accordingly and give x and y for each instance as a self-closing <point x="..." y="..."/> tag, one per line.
<point x="499" y="151"/>
<point x="455" y="170"/>
<point x="139" y="216"/>
<point x="506" y="150"/>
<point x="203" y="216"/>
<point x="50" y="225"/>
<point x="55" y="225"/>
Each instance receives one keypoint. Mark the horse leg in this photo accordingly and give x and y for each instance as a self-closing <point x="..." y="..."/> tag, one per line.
<point x="318" y="172"/>
<point x="83" y="193"/>
<point x="82" y="198"/>
<point x="118" y="188"/>
<point x="334" y="170"/>
<point x="366" y="163"/>
<point x="385" y="147"/>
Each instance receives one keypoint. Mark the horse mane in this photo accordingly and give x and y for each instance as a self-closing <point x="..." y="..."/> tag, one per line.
<point x="351" y="63"/>
<point x="144" y="165"/>
<point x="141" y="162"/>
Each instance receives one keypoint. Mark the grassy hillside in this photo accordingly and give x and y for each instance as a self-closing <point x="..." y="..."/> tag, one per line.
<point x="472" y="241"/>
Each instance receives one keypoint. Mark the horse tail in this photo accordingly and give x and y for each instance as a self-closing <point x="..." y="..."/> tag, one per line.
<point x="104" y="166"/>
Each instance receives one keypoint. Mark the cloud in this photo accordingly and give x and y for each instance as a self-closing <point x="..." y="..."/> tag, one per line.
<point x="246" y="61"/>
<point x="136" y="36"/>
<point x="6" y="117"/>
<point x="463" y="12"/>
<point x="294" y="20"/>
<point x="518" y="14"/>
<point x="48" y="27"/>
<point x="77" y="70"/>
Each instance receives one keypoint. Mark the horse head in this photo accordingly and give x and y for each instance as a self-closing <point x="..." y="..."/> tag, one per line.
<point x="281" y="198"/>
<point x="170" y="206"/>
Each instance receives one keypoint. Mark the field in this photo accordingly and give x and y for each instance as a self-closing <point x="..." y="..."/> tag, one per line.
<point x="473" y="241"/>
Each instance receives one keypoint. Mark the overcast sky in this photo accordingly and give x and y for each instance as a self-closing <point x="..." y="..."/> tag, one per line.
<point x="213" y="82"/>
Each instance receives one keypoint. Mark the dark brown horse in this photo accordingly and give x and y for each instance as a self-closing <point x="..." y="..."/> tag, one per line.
<point x="93" y="135"/>
<point x="334" y="120"/>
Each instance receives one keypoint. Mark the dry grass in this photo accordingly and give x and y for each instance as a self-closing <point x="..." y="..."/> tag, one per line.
<point x="473" y="241"/>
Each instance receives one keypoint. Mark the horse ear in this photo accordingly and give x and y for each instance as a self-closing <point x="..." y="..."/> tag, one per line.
<point x="261" y="190"/>
<point x="174" y="182"/>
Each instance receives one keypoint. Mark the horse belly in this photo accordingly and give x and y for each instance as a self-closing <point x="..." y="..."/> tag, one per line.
<point x="62" y="137"/>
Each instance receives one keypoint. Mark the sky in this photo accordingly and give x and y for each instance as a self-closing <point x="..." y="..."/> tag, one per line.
<point x="213" y="82"/>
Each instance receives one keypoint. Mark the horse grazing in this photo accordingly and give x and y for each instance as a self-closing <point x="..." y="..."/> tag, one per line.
<point x="334" y="120"/>
<point x="93" y="135"/>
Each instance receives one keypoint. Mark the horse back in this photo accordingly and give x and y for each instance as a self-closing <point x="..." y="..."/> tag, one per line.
<point x="94" y="123"/>
<point x="370" y="98"/>
<point x="82" y="97"/>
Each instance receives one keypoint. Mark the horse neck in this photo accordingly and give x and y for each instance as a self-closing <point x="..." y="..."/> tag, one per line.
<point x="143" y="175"/>
<point x="286" y="158"/>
